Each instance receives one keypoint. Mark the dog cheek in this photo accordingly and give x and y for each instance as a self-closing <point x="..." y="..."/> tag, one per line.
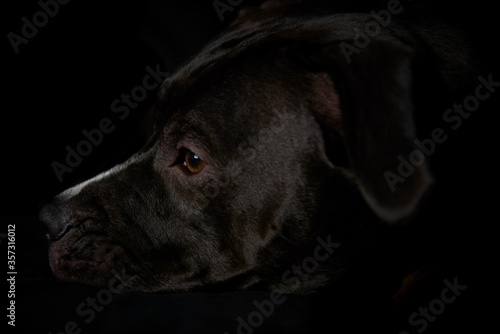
<point x="268" y="222"/>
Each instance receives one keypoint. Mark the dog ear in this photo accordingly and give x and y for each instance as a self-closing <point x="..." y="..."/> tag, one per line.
<point x="376" y="114"/>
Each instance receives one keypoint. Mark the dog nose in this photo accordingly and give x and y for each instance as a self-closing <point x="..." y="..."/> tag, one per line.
<point x="58" y="215"/>
<point x="56" y="221"/>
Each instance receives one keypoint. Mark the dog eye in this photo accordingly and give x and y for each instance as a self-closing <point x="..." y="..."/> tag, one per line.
<point x="193" y="163"/>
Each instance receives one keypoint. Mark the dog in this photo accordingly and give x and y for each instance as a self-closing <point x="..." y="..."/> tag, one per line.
<point x="277" y="144"/>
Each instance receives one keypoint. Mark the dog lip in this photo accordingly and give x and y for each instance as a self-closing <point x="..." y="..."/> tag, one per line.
<point x="60" y="235"/>
<point x="67" y="228"/>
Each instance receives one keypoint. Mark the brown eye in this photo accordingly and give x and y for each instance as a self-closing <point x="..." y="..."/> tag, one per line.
<point x="193" y="163"/>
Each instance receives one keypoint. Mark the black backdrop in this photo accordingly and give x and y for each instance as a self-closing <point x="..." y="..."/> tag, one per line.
<point x="64" y="79"/>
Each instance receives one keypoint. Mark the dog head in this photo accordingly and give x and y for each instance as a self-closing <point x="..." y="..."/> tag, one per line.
<point x="267" y="139"/>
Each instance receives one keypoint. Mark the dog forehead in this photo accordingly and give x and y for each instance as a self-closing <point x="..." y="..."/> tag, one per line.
<point x="230" y="101"/>
<point x="216" y="119"/>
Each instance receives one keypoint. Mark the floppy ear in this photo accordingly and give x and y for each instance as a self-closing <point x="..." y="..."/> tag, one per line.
<point x="375" y="93"/>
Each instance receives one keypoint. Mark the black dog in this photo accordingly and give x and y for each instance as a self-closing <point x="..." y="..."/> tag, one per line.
<point x="276" y="146"/>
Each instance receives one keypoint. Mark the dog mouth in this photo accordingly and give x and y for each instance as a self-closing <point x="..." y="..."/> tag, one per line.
<point x="60" y="235"/>
<point x="86" y="257"/>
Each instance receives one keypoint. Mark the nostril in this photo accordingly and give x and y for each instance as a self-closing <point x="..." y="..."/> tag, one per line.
<point x="55" y="220"/>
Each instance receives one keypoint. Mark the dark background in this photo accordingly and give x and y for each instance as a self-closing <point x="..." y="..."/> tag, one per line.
<point x="64" y="80"/>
